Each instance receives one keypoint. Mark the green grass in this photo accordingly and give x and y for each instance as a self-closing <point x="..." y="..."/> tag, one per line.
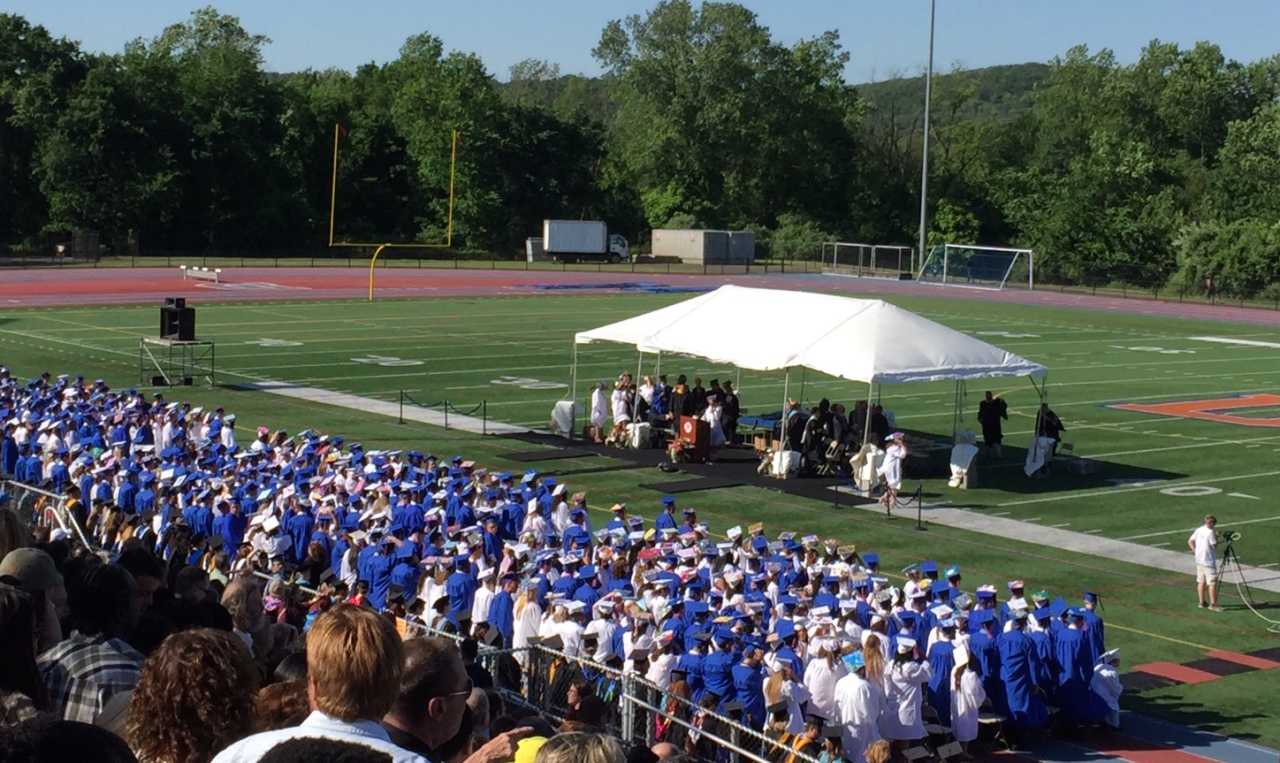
<point x="465" y="349"/>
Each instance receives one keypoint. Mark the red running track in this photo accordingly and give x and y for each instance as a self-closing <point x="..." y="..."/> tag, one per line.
<point x="116" y="286"/>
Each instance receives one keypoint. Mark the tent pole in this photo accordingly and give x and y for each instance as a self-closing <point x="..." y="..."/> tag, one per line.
<point x="866" y="427"/>
<point x="639" y="365"/>
<point x="573" y="374"/>
<point x="657" y="371"/>
<point x="737" y="384"/>
<point x="782" y="423"/>
<point x="804" y="377"/>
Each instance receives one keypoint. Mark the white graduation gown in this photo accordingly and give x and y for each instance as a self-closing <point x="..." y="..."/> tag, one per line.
<point x="820" y="679"/>
<point x="599" y="412"/>
<point x="526" y="627"/>
<point x="965" y="703"/>
<point x="903" y="697"/>
<point x="859" y="706"/>
<point x="1106" y="684"/>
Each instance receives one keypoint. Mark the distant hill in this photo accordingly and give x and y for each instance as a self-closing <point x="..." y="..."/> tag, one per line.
<point x="999" y="92"/>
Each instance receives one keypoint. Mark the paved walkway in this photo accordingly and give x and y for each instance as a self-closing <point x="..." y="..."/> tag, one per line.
<point x="384" y="408"/>
<point x="1070" y="540"/>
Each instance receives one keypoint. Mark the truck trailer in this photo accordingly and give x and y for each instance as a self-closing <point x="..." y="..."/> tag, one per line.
<point x="582" y="241"/>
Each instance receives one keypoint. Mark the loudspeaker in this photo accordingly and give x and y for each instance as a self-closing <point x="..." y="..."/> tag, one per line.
<point x="175" y="301"/>
<point x="178" y="323"/>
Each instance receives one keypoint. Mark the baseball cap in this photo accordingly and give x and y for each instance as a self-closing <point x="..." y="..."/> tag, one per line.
<point x="33" y="567"/>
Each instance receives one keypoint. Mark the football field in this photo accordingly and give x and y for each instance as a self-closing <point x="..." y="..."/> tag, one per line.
<point x="1180" y="417"/>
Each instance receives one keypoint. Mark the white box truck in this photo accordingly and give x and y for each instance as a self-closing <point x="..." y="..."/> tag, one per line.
<point x="582" y="241"/>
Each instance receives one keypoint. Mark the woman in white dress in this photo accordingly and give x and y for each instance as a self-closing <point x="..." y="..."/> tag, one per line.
<point x="967" y="695"/>
<point x="890" y="470"/>
<point x="904" y="682"/>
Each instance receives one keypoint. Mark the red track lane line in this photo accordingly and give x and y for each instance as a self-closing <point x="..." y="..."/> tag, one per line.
<point x="1176" y="672"/>
<point x="1260" y="663"/>
<point x="1120" y="746"/>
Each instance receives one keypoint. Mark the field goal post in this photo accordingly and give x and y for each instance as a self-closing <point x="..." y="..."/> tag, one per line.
<point x="978" y="267"/>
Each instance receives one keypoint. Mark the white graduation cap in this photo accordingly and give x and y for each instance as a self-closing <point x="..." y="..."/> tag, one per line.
<point x="905" y="644"/>
<point x="485" y="574"/>
<point x="271" y="524"/>
<point x="574" y="607"/>
<point x="734" y="533"/>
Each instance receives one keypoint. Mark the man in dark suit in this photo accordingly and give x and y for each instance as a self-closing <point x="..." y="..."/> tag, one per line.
<point x="990" y="412"/>
<point x="698" y="395"/>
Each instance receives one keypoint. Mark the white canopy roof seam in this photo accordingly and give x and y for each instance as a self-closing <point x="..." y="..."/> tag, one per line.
<point x="863" y="340"/>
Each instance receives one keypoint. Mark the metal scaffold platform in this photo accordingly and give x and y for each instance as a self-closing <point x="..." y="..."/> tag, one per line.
<point x="175" y="363"/>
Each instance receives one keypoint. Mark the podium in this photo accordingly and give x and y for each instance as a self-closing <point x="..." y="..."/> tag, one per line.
<point x="694" y="435"/>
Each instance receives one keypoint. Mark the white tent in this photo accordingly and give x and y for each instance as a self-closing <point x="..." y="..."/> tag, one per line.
<point x="864" y="340"/>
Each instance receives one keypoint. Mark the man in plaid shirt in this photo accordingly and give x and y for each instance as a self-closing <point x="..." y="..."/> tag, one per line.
<point x="84" y="671"/>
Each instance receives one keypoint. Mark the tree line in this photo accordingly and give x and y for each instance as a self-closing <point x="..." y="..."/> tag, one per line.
<point x="1161" y="172"/>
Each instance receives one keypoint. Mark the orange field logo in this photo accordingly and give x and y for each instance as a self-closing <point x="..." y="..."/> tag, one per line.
<point x="1217" y="409"/>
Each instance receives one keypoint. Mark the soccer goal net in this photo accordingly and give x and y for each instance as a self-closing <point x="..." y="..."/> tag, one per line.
<point x="888" y="260"/>
<point x="978" y="267"/>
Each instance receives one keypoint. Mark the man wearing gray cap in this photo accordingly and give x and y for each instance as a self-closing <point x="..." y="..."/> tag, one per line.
<point x="33" y="571"/>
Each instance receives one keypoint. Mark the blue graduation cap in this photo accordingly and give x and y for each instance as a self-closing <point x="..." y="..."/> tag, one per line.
<point x="1058" y="606"/>
<point x="668" y="500"/>
<point x="928" y="565"/>
<point x="785" y="629"/>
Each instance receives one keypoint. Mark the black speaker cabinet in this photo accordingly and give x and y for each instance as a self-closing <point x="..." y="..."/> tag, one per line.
<point x="178" y="323"/>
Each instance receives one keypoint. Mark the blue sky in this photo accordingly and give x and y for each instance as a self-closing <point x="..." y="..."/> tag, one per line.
<point x="884" y="37"/>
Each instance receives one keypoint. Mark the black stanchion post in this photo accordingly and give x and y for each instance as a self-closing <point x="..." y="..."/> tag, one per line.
<point x="401" y="406"/>
<point x="920" y="507"/>
<point x="484" y="417"/>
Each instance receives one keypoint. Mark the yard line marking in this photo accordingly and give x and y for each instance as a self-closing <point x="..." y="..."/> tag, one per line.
<point x="1093" y="532"/>
<point x="1244" y="495"/>
<point x="1158" y="486"/>
<point x="1229" y="340"/>
<point x="1064" y="524"/>
<point x="1033" y="519"/>
<point x="1159" y="545"/>
<point x="1270" y="564"/>
<point x="1001" y="513"/>
<point x="1193" y="529"/>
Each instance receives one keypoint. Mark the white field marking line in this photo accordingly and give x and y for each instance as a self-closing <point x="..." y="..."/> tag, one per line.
<point x="1230" y="340"/>
<point x="113" y="352"/>
<point x="1174" y="395"/>
<point x="1001" y="513"/>
<point x="1064" y="524"/>
<point x="1032" y="519"/>
<point x="1159" y="545"/>
<point x="1092" y="532"/>
<point x="1244" y="495"/>
<point x="1159" y="486"/>
<point x="1270" y="564"/>
<point x="1209" y="444"/>
<point x="1193" y="529"/>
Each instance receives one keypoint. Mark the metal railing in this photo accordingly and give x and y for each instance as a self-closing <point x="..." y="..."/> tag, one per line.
<point x="44" y="509"/>
<point x="633" y="705"/>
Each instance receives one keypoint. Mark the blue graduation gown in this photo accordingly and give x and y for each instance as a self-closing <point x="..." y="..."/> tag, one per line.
<point x="379" y="580"/>
<point x="1044" y="651"/>
<point x="717" y="674"/>
<point x="983" y="647"/>
<point x="461" y="589"/>
<point x="748" y="682"/>
<point x="941" y="661"/>
<point x="1018" y="670"/>
<point x="664" y="522"/>
<point x="691" y="664"/>
<point x="1093" y="633"/>
<point x="299" y="529"/>
<point x="502" y="616"/>
<point x="1075" y="671"/>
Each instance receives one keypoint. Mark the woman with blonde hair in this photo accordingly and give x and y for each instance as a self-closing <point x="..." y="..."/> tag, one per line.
<point x="579" y="747"/>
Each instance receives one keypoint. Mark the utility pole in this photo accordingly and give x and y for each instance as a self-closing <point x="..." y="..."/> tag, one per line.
<point x="924" y="163"/>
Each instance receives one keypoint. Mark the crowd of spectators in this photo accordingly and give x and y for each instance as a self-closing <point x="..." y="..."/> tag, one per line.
<point x="182" y="634"/>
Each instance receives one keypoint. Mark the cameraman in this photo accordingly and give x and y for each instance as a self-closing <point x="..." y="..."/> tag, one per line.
<point x="1204" y="543"/>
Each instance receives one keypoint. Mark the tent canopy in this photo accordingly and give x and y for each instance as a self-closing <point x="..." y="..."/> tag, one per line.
<point x="864" y="340"/>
